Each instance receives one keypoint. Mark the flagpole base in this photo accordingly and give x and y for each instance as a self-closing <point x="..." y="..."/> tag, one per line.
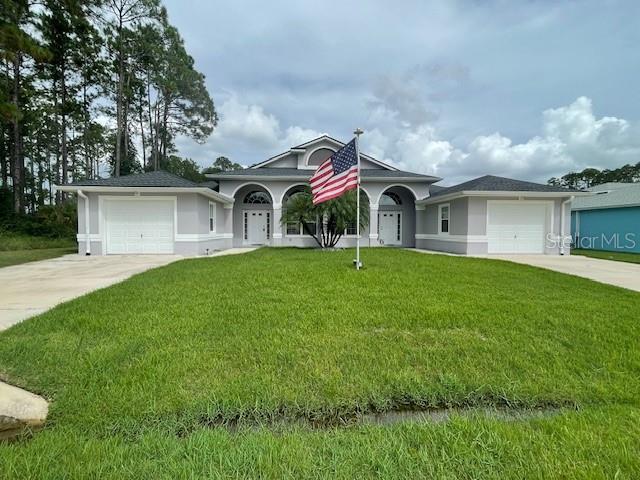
<point x="355" y="262"/>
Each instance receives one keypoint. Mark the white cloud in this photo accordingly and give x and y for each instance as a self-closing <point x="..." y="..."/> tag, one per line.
<point x="247" y="123"/>
<point x="243" y="130"/>
<point x="573" y="139"/>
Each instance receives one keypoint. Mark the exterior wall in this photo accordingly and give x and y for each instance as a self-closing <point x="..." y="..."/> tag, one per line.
<point x="192" y="236"/>
<point x="278" y="189"/>
<point x="612" y="229"/>
<point x="468" y="225"/>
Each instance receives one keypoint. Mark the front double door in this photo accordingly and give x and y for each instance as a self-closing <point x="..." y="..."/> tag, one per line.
<point x="390" y="227"/>
<point x="257" y="225"/>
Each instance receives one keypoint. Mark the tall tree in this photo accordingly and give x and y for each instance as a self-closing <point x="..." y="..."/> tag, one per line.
<point x="17" y="46"/>
<point x="121" y="15"/>
<point x="222" y="164"/>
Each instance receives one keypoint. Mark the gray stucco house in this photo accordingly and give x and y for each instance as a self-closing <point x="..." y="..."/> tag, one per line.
<point x="158" y="212"/>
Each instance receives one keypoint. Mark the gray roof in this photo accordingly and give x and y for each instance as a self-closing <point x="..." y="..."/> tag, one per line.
<point x="158" y="178"/>
<point x="295" y="172"/>
<point x="491" y="183"/>
<point x="609" y="195"/>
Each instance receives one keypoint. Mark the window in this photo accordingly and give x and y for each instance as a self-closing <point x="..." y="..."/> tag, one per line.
<point x="212" y="217"/>
<point x="390" y="198"/>
<point x="443" y="214"/>
<point x="351" y="229"/>
<point x="257" y="198"/>
<point x="294" y="228"/>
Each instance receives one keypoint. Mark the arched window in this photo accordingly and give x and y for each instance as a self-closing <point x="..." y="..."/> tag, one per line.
<point x="257" y="198"/>
<point x="390" y="198"/>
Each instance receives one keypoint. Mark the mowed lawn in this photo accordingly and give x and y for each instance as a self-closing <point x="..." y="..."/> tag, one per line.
<point x="144" y="374"/>
<point x="629" y="257"/>
<point x="18" y="248"/>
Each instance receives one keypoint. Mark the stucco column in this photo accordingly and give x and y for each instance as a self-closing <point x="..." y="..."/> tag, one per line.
<point x="421" y="226"/>
<point x="373" y="225"/>
<point x="276" y="227"/>
<point x="228" y="223"/>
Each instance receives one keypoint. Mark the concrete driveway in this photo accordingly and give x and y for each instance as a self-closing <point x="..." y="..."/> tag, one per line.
<point x="620" y="274"/>
<point x="32" y="288"/>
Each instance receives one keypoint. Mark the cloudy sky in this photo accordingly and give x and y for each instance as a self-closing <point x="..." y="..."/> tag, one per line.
<point x="527" y="89"/>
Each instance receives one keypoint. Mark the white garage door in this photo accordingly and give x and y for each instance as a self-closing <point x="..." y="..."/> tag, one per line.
<point x="139" y="226"/>
<point x="516" y="227"/>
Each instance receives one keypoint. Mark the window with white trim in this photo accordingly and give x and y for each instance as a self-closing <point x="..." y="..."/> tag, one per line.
<point x="351" y="229"/>
<point x="295" y="228"/>
<point x="443" y="216"/>
<point x="212" y="217"/>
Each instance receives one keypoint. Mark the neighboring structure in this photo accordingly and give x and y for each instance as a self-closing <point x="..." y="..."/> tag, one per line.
<point x="160" y="213"/>
<point x="609" y="219"/>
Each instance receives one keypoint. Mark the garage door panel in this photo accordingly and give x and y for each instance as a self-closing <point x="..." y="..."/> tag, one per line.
<point x="139" y="226"/>
<point x="516" y="228"/>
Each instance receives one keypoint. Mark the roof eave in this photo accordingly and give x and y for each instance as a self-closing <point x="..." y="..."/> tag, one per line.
<point x="497" y="193"/>
<point x="207" y="192"/>
<point x="604" y="207"/>
<point x="300" y="177"/>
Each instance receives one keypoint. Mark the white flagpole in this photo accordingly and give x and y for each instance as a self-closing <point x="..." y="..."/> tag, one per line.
<point x="357" y="133"/>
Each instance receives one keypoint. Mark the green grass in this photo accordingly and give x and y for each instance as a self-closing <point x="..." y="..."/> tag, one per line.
<point x="16" y="248"/>
<point x="138" y="372"/>
<point x="628" y="257"/>
<point x="16" y="257"/>
<point x="16" y="241"/>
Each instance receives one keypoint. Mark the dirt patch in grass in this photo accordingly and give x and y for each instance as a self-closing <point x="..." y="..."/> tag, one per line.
<point x="412" y="413"/>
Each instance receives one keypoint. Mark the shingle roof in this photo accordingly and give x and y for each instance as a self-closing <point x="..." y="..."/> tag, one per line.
<point x="295" y="172"/>
<point x="609" y="195"/>
<point x="491" y="183"/>
<point x="158" y="178"/>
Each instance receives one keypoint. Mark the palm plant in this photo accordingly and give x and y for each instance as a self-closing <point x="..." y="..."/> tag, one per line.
<point x="331" y="217"/>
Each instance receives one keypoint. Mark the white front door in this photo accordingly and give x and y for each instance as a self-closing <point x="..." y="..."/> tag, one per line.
<point x="138" y="226"/>
<point x="390" y="227"/>
<point x="516" y="227"/>
<point x="257" y="223"/>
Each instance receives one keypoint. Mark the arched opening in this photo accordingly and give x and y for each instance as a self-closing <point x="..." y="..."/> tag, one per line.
<point x="397" y="217"/>
<point x="252" y="216"/>
<point x="319" y="156"/>
<point x="297" y="229"/>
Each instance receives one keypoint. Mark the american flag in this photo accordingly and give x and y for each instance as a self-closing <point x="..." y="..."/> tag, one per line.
<point x="336" y="175"/>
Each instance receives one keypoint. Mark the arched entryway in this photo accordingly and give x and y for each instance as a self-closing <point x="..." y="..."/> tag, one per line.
<point x="252" y="216"/>
<point x="397" y="217"/>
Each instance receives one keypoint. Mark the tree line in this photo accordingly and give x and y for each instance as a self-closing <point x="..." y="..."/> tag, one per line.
<point x="88" y="86"/>
<point x="590" y="177"/>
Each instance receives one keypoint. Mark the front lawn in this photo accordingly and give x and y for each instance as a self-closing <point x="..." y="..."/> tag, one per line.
<point x="16" y="257"/>
<point x="629" y="257"/>
<point x="17" y="248"/>
<point x="145" y="374"/>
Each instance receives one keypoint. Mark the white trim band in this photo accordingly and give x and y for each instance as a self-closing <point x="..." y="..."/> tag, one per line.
<point x="453" y="238"/>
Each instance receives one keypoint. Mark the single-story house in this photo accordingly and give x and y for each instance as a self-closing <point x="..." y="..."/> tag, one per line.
<point x="158" y="212"/>
<point x="609" y="219"/>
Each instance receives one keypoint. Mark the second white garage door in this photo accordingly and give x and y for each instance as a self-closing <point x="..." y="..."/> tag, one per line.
<point x="517" y="227"/>
<point x="139" y="226"/>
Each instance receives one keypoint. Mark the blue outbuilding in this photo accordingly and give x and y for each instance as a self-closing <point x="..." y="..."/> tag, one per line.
<point x="609" y="219"/>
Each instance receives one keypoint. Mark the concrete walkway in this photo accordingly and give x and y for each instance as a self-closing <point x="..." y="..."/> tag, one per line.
<point x="32" y="288"/>
<point x="620" y="274"/>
